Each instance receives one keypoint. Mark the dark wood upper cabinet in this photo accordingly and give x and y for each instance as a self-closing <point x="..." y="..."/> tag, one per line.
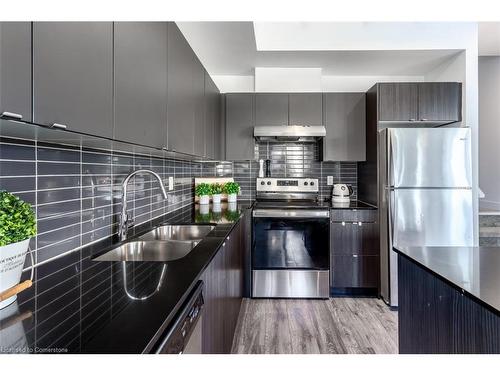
<point x="271" y="109"/>
<point x="345" y="121"/>
<point x="199" y="107"/>
<point x="398" y="102"/>
<point x="73" y="75"/>
<point x="240" y="121"/>
<point x="305" y="109"/>
<point x="140" y="51"/>
<point x="181" y="100"/>
<point x="440" y="101"/>
<point x="15" y="68"/>
<point x="212" y="109"/>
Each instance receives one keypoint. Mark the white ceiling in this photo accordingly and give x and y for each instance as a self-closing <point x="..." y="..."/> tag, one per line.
<point x="229" y="48"/>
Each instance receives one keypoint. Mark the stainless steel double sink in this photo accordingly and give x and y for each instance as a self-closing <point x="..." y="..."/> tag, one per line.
<point x="162" y="244"/>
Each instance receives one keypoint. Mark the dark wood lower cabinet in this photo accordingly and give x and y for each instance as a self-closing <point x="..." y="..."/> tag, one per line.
<point x="223" y="292"/>
<point x="437" y="318"/>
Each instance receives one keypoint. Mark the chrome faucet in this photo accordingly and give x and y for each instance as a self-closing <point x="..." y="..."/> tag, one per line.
<point x="125" y="221"/>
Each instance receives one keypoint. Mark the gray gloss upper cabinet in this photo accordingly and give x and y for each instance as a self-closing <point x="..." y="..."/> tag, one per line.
<point x="345" y="121"/>
<point x="440" y="101"/>
<point x="398" y="102"/>
<point x="15" y="68"/>
<point x="73" y="75"/>
<point x="305" y="109"/>
<point x="181" y="99"/>
<point x="199" y="107"/>
<point x="240" y="144"/>
<point x="271" y="109"/>
<point x="140" y="50"/>
<point x="211" y="117"/>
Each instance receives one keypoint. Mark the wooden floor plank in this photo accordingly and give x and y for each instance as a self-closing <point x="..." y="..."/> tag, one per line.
<point x="336" y="326"/>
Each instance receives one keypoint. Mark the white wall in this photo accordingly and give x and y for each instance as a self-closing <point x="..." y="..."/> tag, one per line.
<point x="489" y="131"/>
<point x="361" y="83"/>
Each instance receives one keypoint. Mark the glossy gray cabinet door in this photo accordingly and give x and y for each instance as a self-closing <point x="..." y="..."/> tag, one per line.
<point x="15" y="68"/>
<point x="345" y="121"/>
<point x="211" y="109"/>
<point x="440" y="101"/>
<point x="140" y="50"/>
<point x="73" y="75"/>
<point x="398" y="101"/>
<point x="240" y="144"/>
<point x="305" y="109"/>
<point x="199" y="107"/>
<point x="180" y="108"/>
<point x="271" y="109"/>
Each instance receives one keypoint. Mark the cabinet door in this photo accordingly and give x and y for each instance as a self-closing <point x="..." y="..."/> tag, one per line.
<point x="181" y="102"/>
<point x="354" y="238"/>
<point x="345" y="121"/>
<point x="398" y="101"/>
<point x="271" y="109"/>
<point x="73" y="75"/>
<point x="353" y="271"/>
<point x="141" y="82"/>
<point x="211" y="104"/>
<point x="199" y="107"/>
<point x="15" y="68"/>
<point x="240" y="144"/>
<point x="220" y="127"/>
<point x="440" y="101"/>
<point x="305" y="109"/>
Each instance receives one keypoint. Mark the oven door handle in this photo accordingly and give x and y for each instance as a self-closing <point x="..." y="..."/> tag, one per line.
<point x="299" y="214"/>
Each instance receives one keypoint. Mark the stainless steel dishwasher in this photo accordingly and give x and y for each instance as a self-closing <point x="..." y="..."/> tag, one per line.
<point x="185" y="334"/>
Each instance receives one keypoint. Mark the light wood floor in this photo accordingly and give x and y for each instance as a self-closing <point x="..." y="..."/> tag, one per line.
<point x="337" y="325"/>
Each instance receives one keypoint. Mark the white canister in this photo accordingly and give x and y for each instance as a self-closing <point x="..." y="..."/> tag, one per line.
<point x="232" y="197"/>
<point x="217" y="207"/>
<point x="12" y="259"/>
<point x="216" y="198"/>
<point x="204" y="209"/>
<point x="204" y="199"/>
<point x="232" y="206"/>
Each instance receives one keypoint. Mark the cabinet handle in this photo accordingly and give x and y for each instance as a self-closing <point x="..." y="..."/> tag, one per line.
<point x="55" y="125"/>
<point x="412" y="119"/>
<point x="354" y="255"/>
<point x="12" y="115"/>
<point x="360" y="223"/>
<point x="424" y="119"/>
<point x="343" y="223"/>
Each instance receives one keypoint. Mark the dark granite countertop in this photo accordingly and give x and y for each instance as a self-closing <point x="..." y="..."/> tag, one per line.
<point x="352" y="205"/>
<point x="473" y="270"/>
<point x="79" y="305"/>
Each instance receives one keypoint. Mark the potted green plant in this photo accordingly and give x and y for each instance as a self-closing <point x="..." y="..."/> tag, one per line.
<point x="203" y="191"/>
<point x="217" y="190"/>
<point x="232" y="189"/>
<point x="17" y="226"/>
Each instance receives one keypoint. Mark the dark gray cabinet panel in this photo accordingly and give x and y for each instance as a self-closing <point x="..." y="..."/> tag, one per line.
<point x="240" y="144"/>
<point x="353" y="271"/>
<point x="345" y="121"/>
<point x="305" y="109"/>
<point x="199" y="107"/>
<point x="398" y="102"/>
<point x="354" y="238"/>
<point x="181" y="98"/>
<point x="440" y="101"/>
<point x="15" y="68"/>
<point x="212" y="107"/>
<point x="140" y="50"/>
<point x="271" y="109"/>
<point x="220" y="128"/>
<point x="73" y="75"/>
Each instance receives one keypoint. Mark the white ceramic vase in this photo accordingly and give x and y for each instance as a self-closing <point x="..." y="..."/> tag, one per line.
<point x="232" y="198"/>
<point x="12" y="259"/>
<point x="204" y="199"/>
<point x="216" y="198"/>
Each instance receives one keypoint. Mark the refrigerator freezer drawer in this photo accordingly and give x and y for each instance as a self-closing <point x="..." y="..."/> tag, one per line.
<point x="430" y="157"/>
<point x="432" y="217"/>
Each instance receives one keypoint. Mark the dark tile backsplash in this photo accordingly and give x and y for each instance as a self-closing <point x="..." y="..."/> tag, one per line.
<point x="76" y="191"/>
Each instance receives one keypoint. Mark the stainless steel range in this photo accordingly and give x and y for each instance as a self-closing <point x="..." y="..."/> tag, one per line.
<point x="290" y="252"/>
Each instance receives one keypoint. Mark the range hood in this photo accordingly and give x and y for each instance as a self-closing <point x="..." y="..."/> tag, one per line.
<point x="289" y="133"/>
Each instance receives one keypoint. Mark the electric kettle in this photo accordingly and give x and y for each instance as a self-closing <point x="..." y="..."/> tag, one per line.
<point x="341" y="193"/>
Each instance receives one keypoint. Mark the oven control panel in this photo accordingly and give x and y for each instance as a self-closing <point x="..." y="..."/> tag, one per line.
<point x="298" y="185"/>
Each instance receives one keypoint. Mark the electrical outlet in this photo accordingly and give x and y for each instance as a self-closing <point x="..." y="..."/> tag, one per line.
<point x="329" y="180"/>
<point x="170" y="183"/>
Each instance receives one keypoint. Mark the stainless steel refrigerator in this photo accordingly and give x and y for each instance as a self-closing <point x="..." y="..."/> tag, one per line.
<point x="425" y="194"/>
